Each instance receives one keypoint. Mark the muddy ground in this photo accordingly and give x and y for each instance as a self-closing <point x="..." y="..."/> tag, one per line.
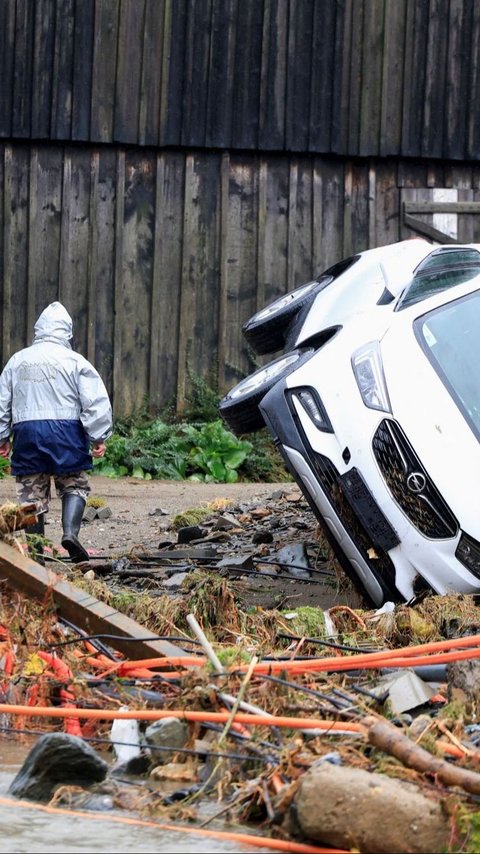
<point x="142" y="515"/>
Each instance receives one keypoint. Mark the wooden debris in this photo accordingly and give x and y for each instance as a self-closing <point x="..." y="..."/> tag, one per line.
<point x="82" y="609"/>
<point x="389" y="739"/>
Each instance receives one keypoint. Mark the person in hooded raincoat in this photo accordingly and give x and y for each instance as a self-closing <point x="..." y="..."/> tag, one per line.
<point x="56" y="409"/>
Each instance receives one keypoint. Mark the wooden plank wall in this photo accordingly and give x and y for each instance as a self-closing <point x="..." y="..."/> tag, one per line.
<point x="348" y="77"/>
<point x="160" y="256"/>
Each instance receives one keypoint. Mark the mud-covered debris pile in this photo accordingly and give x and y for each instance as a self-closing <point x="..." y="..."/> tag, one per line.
<point x="265" y="710"/>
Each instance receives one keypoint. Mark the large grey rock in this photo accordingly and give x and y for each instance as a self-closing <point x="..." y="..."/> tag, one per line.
<point x="57" y="759"/>
<point x="168" y="732"/>
<point x="350" y="808"/>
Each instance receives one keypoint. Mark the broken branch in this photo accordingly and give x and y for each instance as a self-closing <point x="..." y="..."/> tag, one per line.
<point x="387" y="738"/>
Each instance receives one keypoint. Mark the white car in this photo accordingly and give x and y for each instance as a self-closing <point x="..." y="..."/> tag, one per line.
<point x="375" y="408"/>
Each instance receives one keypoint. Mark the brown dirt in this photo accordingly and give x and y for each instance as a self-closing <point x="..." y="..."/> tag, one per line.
<point x="142" y="512"/>
<point x="133" y="500"/>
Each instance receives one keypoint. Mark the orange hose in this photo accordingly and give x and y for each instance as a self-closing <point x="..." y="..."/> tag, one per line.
<point x="327" y="663"/>
<point x="352" y="663"/>
<point x="157" y="714"/>
<point x="67" y="697"/>
<point x="172" y="661"/>
<point x="453" y="750"/>
<point x="243" y="838"/>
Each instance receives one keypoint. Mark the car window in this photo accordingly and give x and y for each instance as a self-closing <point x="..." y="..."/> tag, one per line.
<point x="449" y="336"/>
<point x="441" y="270"/>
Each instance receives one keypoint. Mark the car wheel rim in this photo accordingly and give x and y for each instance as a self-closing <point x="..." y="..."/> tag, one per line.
<point x="284" y="301"/>
<point x="264" y="375"/>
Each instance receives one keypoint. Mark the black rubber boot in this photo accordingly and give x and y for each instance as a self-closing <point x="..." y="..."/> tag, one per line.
<point x="72" y="513"/>
<point x="38" y="528"/>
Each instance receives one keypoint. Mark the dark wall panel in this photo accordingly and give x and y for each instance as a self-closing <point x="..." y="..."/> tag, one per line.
<point x="349" y="77"/>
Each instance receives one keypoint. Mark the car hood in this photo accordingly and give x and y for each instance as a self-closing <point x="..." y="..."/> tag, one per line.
<point x="433" y="423"/>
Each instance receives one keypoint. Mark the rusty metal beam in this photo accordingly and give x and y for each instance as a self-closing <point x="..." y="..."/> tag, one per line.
<point x="88" y="613"/>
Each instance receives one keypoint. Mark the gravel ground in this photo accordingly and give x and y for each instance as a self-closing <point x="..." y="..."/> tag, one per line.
<point x="135" y="503"/>
<point x="142" y="512"/>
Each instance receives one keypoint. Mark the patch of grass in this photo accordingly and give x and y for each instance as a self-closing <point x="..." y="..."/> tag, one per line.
<point x="231" y="655"/>
<point x="96" y="501"/>
<point x="191" y="516"/>
<point x="308" y="621"/>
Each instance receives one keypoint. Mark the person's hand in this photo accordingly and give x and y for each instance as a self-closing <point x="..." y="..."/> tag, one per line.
<point x="98" y="449"/>
<point x="5" y="449"/>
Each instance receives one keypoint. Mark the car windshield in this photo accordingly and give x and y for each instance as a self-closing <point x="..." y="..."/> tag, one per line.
<point x="450" y="337"/>
<point x="441" y="270"/>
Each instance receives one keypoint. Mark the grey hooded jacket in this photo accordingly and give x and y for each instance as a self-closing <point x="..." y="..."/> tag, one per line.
<point x="53" y="401"/>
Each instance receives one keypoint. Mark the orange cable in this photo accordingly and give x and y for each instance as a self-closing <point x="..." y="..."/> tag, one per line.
<point x="316" y="663"/>
<point x="158" y="714"/>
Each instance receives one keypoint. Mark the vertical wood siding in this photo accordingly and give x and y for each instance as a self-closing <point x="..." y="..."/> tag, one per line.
<point x="351" y="77"/>
<point x="161" y="256"/>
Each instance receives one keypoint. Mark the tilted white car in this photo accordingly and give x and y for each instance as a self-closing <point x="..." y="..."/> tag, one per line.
<point x="375" y="408"/>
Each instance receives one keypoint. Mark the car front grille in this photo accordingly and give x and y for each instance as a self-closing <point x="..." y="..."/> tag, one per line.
<point x="333" y="486"/>
<point x="410" y="485"/>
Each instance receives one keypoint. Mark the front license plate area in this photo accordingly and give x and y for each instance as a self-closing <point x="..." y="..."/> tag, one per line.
<point x="366" y="508"/>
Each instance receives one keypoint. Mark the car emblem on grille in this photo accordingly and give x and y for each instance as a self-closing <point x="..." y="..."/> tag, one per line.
<point x="416" y="482"/>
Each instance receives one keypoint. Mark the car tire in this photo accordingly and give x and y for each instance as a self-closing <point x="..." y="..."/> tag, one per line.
<point x="266" y="331"/>
<point x="239" y="407"/>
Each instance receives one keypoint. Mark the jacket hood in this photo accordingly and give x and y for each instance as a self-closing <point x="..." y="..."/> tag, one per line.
<point x="54" y="323"/>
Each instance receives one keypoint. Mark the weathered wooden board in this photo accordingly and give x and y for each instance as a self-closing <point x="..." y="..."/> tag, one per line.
<point x="220" y="75"/>
<point x="133" y="286"/>
<point x="73" y="283"/>
<point x="85" y="611"/>
<point x="63" y="65"/>
<point x="45" y="206"/>
<point x="83" y="39"/>
<point x="15" y="331"/>
<point x="239" y="267"/>
<point x="42" y="78"/>
<point x="166" y="279"/>
<point x="152" y="61"/>
<point x="104" y="71"/>
<point x="129" y="70"/>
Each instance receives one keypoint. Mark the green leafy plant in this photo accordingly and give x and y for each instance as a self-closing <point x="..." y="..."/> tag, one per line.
<point x="4" y="467"/>
<point x="206" y="452"/>
<point x="195" y="446"/>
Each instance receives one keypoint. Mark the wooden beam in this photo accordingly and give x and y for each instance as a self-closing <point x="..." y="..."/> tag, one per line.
<point x="429" y="231"/>
<point x="442" y="207"/>
<point x="79" y="607"/>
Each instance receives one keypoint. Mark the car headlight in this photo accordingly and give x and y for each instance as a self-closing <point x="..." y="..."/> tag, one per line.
<point x="368" y="369"/>
<point x="311" y="403"/>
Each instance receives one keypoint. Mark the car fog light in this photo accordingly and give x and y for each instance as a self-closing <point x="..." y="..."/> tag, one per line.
<point x="368" y="369"/>
<point x="468" y="553"/>
<point x="310" y="402"/>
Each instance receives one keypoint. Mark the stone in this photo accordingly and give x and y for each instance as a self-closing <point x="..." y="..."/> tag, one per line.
<point x="232" y="563"/>
<point x="137" y="766"/>
<point x="226" y="522"/>
<point x="104" y="512"/>
<point x="463" y="679"/>
<point x="262" y="536"/>
<point x="175" y="581"/>
<point x="168" y="732"/>
<point x="89" y="514"/>
<point x="294" y="560"/>
<point x="57" y="759"/>
<point x="349" y="808"/>
<point x="189" y="533"/>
